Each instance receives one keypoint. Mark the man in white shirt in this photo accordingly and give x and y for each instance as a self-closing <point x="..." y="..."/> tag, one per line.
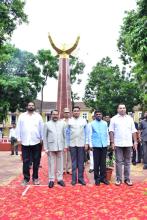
<point x="77" y="139"/>
<point x="122" y="134"/>
<point x="13" y="139"/>
<point x="54" y="144"/>
<point x="30" y="135"/>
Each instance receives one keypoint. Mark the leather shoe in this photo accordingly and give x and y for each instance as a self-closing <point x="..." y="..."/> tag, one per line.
<point x="73" y="183"/>
<point x="82" y="182"/>
<point x="91" y="170"/>
<point x="61" y="183"/>
<point x="106" y="182"/>
<point x="97" y="182"/>
<point x="128" y="182"/>
<point x="51" y="184"/>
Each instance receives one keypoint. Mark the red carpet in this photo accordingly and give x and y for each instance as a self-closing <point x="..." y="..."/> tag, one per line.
<point x="73" y="202"/>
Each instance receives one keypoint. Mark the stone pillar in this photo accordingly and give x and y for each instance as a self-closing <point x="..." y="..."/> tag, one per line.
<point x="64" y="87"/>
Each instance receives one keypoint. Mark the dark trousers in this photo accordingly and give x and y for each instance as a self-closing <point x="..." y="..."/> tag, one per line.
<point x="27" y="151"/>
<point x="99" y="157"/>
<point x="77" y="159"/>
<point x="144" y="147"/>
<point x="139" y="154"/>
<point x="14" y="146"/>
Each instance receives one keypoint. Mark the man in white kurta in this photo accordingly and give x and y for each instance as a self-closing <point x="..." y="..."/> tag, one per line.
<point x="54" y="144"/>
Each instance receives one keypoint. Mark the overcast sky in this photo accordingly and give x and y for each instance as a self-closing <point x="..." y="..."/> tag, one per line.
<point x="96" y="21"/>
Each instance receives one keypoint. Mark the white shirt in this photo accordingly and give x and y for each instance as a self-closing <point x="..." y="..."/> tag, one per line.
<point x="12" y="133"/>
<point x="123" y="127"/>
<point x="30" y="128"/>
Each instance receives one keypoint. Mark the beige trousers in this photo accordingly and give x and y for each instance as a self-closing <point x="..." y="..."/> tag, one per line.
<point x="55" y="165"/>
<point x="66" y="161"/>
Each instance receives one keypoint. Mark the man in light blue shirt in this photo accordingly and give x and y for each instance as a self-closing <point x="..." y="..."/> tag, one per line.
<point x="99" y="140"/>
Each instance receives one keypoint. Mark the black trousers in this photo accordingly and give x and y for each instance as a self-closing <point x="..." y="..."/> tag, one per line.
<point x="77" y="159"/>
<point x="99" y="157"/>
<point x="27" y="152"/>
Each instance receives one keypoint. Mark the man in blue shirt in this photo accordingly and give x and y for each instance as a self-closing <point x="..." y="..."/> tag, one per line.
<point x="99" y="140"/>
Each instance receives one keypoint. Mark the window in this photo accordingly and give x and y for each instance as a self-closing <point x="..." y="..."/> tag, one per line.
<point x="85" y="115"/>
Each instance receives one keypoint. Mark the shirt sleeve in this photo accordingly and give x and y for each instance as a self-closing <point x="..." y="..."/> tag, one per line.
<point x="90" y="135"/>
<point x="41" y="126"/>
<point x="10" y="134"/>
<point x="86" y="133"/>
<point x="67" y="133"/>
<point x="108" y="138"/>
<point x="134" y="130"/>
<point x="18" y="129"/>
<point x="111" y="126"/>
<point x="45" y="134"/>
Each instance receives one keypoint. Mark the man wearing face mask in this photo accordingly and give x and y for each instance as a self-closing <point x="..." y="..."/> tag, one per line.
<point x="30" y="134"/>
<point x="99" y="139"/>
<point x="143" y="134"/>
<point x="54" y="144"/>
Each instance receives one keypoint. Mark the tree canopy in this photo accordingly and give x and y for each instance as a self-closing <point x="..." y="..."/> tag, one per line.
<point x="11" y="15"/>
<point x="20" y="80"/>
<point x="76" y="70"/>
<point x="107" y="87"/>
<point x="132" y="44"/>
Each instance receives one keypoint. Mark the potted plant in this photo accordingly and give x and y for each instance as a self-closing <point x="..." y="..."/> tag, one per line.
<point x="109" y="167"/>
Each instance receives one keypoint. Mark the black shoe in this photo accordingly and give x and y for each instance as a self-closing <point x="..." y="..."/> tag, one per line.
<point x="73" y="183"/>
<point x="12" y="154"/>
<point x="145" y="167"/>
<point x="61" y="183"/>
<point x="16" y="153"/>
<point x="97" y="182"/>
<point x="51" y="184"/>
<point x="82" y="182"/>
<point x="91" y="170"/>
<point x="134" y="163"/>
<point x="106" y="182"/>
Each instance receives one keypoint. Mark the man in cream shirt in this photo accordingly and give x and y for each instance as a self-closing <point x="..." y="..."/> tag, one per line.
<point x="54" y="144"/>
<point x="122" y="136"/>
<point x="77" y="139"/>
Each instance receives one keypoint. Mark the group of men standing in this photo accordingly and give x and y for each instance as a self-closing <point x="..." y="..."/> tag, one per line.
<point x="67" y="139"/>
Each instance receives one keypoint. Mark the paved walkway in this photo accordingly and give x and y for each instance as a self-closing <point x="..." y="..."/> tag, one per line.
<point x="11" y="167"/>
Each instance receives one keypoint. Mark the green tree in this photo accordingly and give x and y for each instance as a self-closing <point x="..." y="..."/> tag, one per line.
<point x="20" y="80"/>
<point x="133" y="47"/>
<point x="11" y="15"/>
<point x="107" y="87"/>
<point x="49" y="66"/>
<point x="76" y="69"/>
